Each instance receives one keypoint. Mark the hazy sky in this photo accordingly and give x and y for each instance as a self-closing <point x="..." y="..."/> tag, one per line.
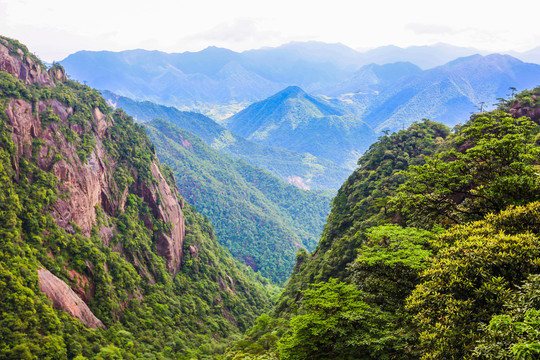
<point x="52" y="29"/>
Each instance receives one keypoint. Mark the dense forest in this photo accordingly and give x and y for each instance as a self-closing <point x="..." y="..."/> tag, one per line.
<point x="431" y="249"/>
<point x="430" y="252"/>
<point x="259" y="218"/>
<point x="108" y="288"/>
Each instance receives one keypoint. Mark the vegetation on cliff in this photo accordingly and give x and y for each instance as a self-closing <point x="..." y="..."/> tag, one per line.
<point x="155" y="300"/>
<point x="259" y="218"/>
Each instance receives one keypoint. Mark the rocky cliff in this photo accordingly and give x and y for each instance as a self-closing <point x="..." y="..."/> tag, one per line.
<point x="45" y="130"/>
<point x="64" y="298"/>
<point x="93" y="234"/>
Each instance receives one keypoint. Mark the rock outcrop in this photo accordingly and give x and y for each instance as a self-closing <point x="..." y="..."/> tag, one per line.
<point x="518" y="110"/>
<point x="63" y="298"/>
<point x="83" y="185"/>
<point x="23" y="67"/>
<point x="168" y="210"/>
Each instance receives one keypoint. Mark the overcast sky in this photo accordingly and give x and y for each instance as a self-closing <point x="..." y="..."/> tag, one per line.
<point x="53" y="29"/>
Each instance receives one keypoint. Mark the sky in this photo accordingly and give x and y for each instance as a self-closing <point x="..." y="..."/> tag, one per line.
<point x="53" y="29"/>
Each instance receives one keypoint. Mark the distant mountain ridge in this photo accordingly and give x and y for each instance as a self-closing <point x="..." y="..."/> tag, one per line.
<point x="220" y="82"/>
<point x="448" y="93"/>
<point x="220" y="76"/>
<point x="296" y="121"/>
<point x="302" y="169"/>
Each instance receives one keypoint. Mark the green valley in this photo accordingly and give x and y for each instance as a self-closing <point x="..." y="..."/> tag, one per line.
<point x="134" y="230"/>
<point x="259" y="218"/>
<point x="301" y="169"/>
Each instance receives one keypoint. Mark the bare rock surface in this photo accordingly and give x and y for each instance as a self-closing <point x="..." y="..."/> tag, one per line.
<point x="23" y="67"/>
<point x="64" y="298"/>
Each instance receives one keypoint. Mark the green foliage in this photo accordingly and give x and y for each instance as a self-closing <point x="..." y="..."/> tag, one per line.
<point x="258" y="217"/>
<point x="149" y="312"/>
<point x="260" y="342"/>
<point x="10" y="86"/>
<point x="473" y="275"/>
<point x="337" y="323"/>
<point x="516" y="333"/>
<point x="128" y="144"/>
<point x="389" y="264"/>
<point x="361" y="204"/>
<point x="490" y="167"/>
<point x="432" y="296"/>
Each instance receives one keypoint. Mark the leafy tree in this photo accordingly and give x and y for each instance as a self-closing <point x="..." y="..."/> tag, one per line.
<point x="361" y="203"/>
<point x="490" y="167"/>
<point x="389" y="263"/>
<point x="474" y="273"/>
<point x="337" y="323"/>
<point x="515" y="334"/>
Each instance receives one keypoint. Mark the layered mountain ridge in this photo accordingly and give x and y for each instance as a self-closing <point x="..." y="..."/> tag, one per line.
<point x="296" y="121"/>
<point x="387" y="88"/>
<point x="302" y="169"/>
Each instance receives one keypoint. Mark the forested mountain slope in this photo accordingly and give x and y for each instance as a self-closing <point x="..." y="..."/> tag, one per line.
<point x="301" y="169"/>
<point x="99" y="255"/>
<point x="294" y="120"/>
<point x="259" y="218"/>
<point x="449" y="93"/>
<point x="430" y="251"/>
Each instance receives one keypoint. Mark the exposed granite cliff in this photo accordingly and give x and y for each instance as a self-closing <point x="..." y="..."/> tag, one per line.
<point x="64" y="298"/>
<point x="84" y="184"/>
<point x="24" y="67"/>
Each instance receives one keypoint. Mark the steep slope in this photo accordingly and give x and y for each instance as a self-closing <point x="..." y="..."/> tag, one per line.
<point x="463" y="256"/>
<point x="299" y="122"/>
<point x="449" y="93"/>
<point x="259" y="218"/>
<point x="303" y="170"/>
<point x="361" y="203"/>
<point x="94" y="234"/>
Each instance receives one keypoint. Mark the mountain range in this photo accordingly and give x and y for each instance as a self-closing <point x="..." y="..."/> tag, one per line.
<point x="301" y="169"/>
<point x="385" y="96"/>
<point x="373" y="99"/>
<point x="430" y="250"/>
<point x="447" y="93"/>
<point x="296" y="121"/>
<point x="217" y="77"/>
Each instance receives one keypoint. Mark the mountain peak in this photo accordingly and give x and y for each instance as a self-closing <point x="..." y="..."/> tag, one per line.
<point x="291" y="91"/>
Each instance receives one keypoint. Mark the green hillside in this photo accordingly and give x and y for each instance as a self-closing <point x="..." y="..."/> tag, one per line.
<point x="296" y="121"/>
<point x="94" y="260"/>
<point x="259" y="218"/>
<point x="301" y="169"/>
<point x="430" y="251"/>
